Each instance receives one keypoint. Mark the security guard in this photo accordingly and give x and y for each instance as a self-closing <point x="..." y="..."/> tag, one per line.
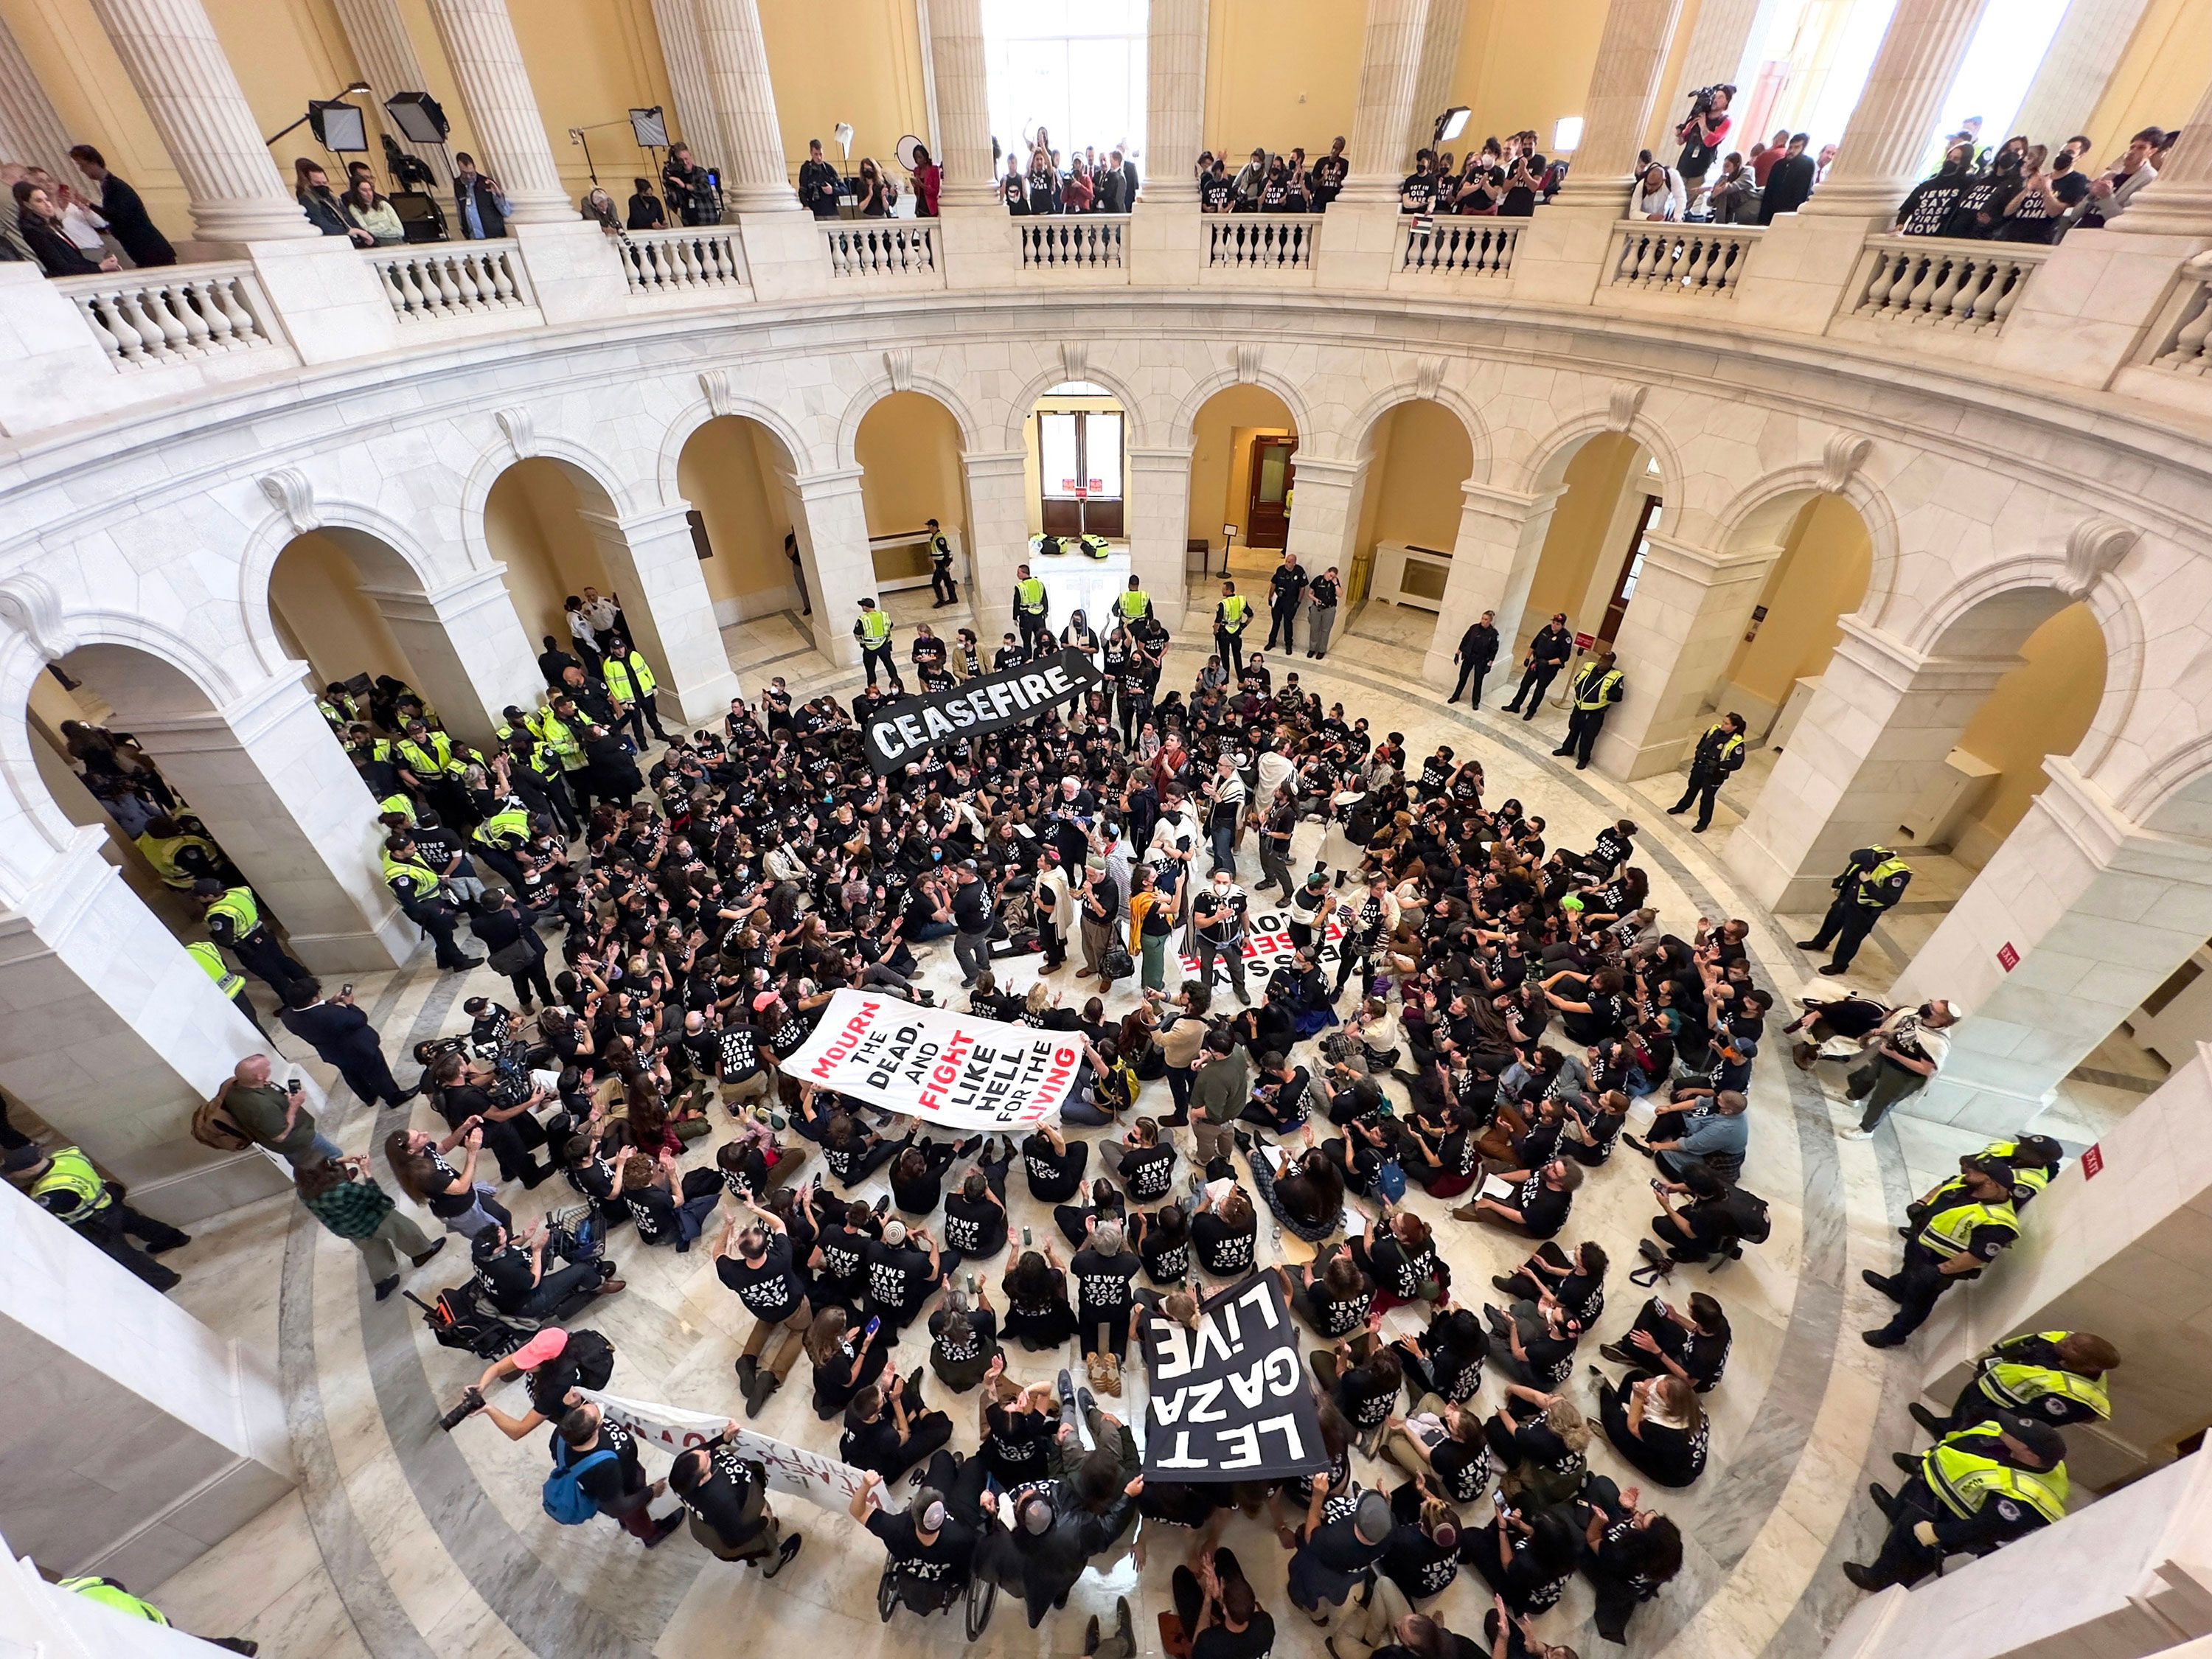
<point x="1032" y="612"/>
<point x="422" y="896"/>
<point x="533" y="770"/>
<point x="235" y="923"/>
<point x="428" y="766"/>
<point x="1965" y="1231"/>
<point x="1975" y="1491"/>
<point x="1133" y="606"/>
<point x="2030" y="1162"/>
<point x="560" y="728"/>
<point x="1231" y="618"/>
<point x="499" y="836"/>
<point x="231" y="985"/>
<point x="179" y="855"/>
<point x="630" y="683"/>
<point x="338" y="706"/>
<point x="2051" y="1376"/>
<point x="940" y="569"/>
<point x="1720" y="752"/>
<point x="110" y="1595"/>
<point x="872" y="628"/>
<point x="1872" y="883"/>
<point x="1596" y="688"/>
<point x="65" y="1184"/>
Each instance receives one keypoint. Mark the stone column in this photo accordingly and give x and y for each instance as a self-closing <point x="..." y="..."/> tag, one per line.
<point x="1324" y="515"/>
<point x="170" y="51"/>
<point x="832" y="527"/>
<point x="1175" y="114"/>
<point x="698" y="123"/>
<point x="999" y="541"/>
<point x="167" y="1436"/>
<point x="2086" y="48"/>
<point x="1390" y="66"/>
<point x="282" y="799"/>
<point x="1501" y="537"/>
<point x="736" y="65"/>
<point x="1887" y="136"/>
<point x="385" y="51"/>
<point x="2100" y="910"/>
<point x="1440" y="39"/>
<point x="2179" y="202"/>
<point x="961" y="143"/>
<point x="655" y="569"/>
<point x="487" y="60"/>
<point x="1159" y="525"/>
<point x="1691" y="609"/>
<point x="1875" y="735"/>
<point x="31" y="130"/>
<point x="1720" y="39"/>
<point x="467" y="648"/>
<point x="1623" y="90"/>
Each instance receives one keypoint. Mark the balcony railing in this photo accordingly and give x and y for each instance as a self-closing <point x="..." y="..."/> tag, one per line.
<point x="182" y="314"/>
<point x="684" y="260"/>
<point x="1971" y="286"/>
<point x="445" y="281"/>
<point x="2186" y="346"/>
<point x="1663" y="259"/>
<point x="903" y="248"/>
<point x="1459" y="247"/>
<point x="1075" y="241"/>
<point x="1262" y="241"/>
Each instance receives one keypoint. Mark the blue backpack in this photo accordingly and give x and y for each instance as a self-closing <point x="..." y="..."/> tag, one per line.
<point x="1390" y="1180"/>
<point x="565" y="1499"/>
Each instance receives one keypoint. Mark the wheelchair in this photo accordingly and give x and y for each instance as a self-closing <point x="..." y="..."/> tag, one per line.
<point x="977" y="1595"/>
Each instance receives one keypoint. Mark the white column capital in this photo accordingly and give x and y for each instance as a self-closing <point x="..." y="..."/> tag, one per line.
<point x="994" y="463"/>
<point x="816" y="485"/>
<point x="1710" y="567"/>
<point x="1162" y="456"/>
<point x="1494" y="502"/>
<point x="1326" y="469"/>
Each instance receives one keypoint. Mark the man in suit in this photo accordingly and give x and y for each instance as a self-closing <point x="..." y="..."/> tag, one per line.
<point x="479" y="201"/>
<point x="342" y="1036"/>
<point x="1128" y="169"/>
<point x="124" y="212"/>
<point x="508" y="934"/>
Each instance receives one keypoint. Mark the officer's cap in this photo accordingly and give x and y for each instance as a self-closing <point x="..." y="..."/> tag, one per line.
<point x="2043" y="1442"/>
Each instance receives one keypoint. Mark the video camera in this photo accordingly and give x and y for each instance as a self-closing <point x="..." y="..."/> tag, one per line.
<point x="1702" y="99"/>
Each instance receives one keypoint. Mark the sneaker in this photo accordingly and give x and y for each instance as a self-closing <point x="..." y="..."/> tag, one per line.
<point x="1465" y="1213"/>
<point x="1620" y="1353"/>
<point x="1085" y="1402"/>
<point x="423" y="1259"/>
<point x="784" y="1552"/>
<point x="1855" y="1132"/>
<point x="1067" y="1394"/>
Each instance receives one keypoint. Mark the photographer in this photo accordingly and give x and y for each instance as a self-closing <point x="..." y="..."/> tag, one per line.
<point x="688" y="191"/>
<point x="553" y="1365"/>
<point x="1701" y="135"/>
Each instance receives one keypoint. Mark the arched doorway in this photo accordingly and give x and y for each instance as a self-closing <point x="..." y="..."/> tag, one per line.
<point x="552" y="527"/>
<point x="908" y="449"/>
<point x="1075" y="482"/>
<point x="741" y="483"/>
<point x="1244" y="473"/>
<point x="1415" y="457"/>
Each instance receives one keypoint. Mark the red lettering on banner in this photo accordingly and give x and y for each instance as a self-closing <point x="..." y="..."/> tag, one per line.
<point x="835" y="1055"/>
<point x="946" y="1072"/>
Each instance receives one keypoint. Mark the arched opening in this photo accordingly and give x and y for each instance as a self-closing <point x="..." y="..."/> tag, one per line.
<point x="1417" y="455"/>
<point x="1243" y="472"/>
<point x="1612" y="501"/>
<point x="1075" y="471"/>
<point x="1819" y="578"/>
<point x="741" y="483"/>
<point x="908" y="449"/>
<point x="549" y="524"/>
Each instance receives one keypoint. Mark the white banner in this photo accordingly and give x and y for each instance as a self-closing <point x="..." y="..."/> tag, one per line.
<point x="931" y="1063"/>
<point x="792" y="1469"/>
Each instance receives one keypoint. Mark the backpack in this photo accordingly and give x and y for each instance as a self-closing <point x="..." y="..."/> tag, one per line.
<point x="464" y="1318"/>
<point x="1390" y="1180"/>
<point x="564" y="1497"/>
<point x="1747" y="1215"/>
<point x="213" y="1125"/>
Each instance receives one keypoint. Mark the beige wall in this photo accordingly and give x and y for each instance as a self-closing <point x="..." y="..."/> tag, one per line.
<point x="2159" y="78"/>
<point x="593" y="61"/>
<point x="908" y="448"/>
<point x="1221" y="457"/>
<point x="1821" y="576"/>
<point x="531" y="525"/>
<point x="731" y="470"/>
<point x="1419" y="456"/>
<point x="2043" y="707"/>
<point x="322" y="615"/>
<point x="858" y="62"/>
<point x="1276" y="78"/>
<point x="1523" y="65"/>
<point x="1579" y="539"/>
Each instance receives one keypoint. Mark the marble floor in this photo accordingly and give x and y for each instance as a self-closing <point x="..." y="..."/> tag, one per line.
<point x="403" y="1541"/>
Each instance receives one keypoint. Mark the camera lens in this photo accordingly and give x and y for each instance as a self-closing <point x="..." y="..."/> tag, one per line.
<point x="471" y="1403"/>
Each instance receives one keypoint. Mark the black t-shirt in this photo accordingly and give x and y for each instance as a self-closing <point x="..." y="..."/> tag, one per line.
<point x="771" y="1290"/>
<point x="1461" y="1467"/>
<point x="898" y="1280"/>
<point x="974" y="1228"/>
<point x="1103" y="1283"/>
<point x="1543" y="1209"/>
<point x="732" y="1501"/>
<point x="608" y="1484"/>
<point x="928" y="1567"/>
<point x="971" y="909"/>
<point x="1147" y="1172"/>
<point x="510" y="1277"/>
<point x="654" y="1213"/>
<point x="1222" y="1249"/>
<point x="1220" y="1642"/>
<point x="1420" y="191"/>
<point x="1054" y="1176"/>
<point x="739" y="1054"/>
<point x="844" y="1254"/>
<point x="1165" y="1262"/>
<point x="1217" y="194"/>
<point x="1335" y="1546"/>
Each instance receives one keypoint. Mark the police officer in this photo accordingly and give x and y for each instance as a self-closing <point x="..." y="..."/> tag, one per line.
<point x="429" y="767"/>
<point x="1133" y="606"/>
<point x="1031" y="610"/>
<point x="1720" y="752"/>
<point x="231" y="985"/>
<point x="1549" y="648"/>
<point x="507" y="831"/>
<point x="1965" y="1231"/>
<point x="2051" y="1376"/>
<point x="1231" y="618"/>
<point x="423" y="896"/>
<point x="1286" y="588"/>
<point x="872" y="628"/>
<point x="561" y="726"/>
<point x="1975" y="1491"/>
<point x="630" y="683"/>
<point x="1871" y="882"/>
<point x="1478" y="649"/>
<point x="65" y="1185"/>
<point x="235" y="923"/>
<point x="1596" y="688"/>
<point x="940" y="569"/>
<point x="112" y="1595"/>
<point x="529" y="766"/>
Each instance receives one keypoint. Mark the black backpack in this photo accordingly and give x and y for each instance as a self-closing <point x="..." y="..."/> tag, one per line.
<point x="463" y="1317"/>
<point x="1747" y="1215"/>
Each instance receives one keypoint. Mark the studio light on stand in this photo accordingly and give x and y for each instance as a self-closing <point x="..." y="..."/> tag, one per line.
<point x="1451" y="124"/>
<point x="338" y="126"/>
<point x="418" y="116"/>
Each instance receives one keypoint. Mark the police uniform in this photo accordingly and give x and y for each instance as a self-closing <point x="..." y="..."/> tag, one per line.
<point x="2029" y="1163"/>
<point x="1957" y="1223"/>
<point x="941" y="571"/>
<point x="1030" y="610"/>
<point x="534" y="772"/>
<point x="235" y="923"/>
<point x="629" y="681"/>
<point x="1871" y="882"/>
<point x="1134" y="605"/>
<point x="1972" y="1493"/>
<point x="2026" y="1375"/>
<point x="1596" y="688"/>
<point x="68" y="1188"/>
<point x="872" y="628"/>
<point x="437" y="770"/>
<point x="1230" y="617"/>
<point x="422" y="896"/>
<point x="1720" y="752"/>
<point x="233" y="986"/>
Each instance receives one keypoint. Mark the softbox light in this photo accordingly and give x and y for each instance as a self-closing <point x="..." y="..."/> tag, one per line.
<point x="338" y="126"/>
<point x="651" y="128"/>
<point x="417" y="116"/>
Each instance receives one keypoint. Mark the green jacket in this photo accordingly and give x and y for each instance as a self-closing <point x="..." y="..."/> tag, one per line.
<point x="1223" y="1087"/>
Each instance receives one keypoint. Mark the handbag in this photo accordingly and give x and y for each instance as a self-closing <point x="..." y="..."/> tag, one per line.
<point x="520" y="957"/>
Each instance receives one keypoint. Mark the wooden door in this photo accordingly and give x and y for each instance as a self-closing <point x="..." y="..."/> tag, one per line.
<point x="1267" y="514"/>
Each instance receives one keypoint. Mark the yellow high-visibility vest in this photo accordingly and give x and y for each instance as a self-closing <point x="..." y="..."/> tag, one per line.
<point x="204" y="953"/>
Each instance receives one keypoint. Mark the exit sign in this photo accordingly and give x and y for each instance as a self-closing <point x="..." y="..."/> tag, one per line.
<point x="2008" y="958"/>
<point x="1583" y="642"/>
<point x="2093" y="1162"/>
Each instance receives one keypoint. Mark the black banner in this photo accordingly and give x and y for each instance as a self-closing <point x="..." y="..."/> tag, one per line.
<point x="973" y="707"/>
<point x="1230" y="1400"/>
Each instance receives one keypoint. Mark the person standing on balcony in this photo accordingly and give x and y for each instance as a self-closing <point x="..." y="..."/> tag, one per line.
<point x="1329" y="175"/>
<point x="1043" y="183"/>
<point x="1215" y="192"/>
<point x="869" y="196"/>
<point x="479" y="201"/>
<point x="126" y="213"/>
<point x="817" y="183"/>
<point x="928" y="180"/>
<point x="1789" y="185"/>
<point x="1701" y="136"/>
<point x="39" y="222"/>
<point x="645" y="209"/>
<point x="2110" y="194"/>
<point x="1130" y="184"/>
<point x="689" y="192"/>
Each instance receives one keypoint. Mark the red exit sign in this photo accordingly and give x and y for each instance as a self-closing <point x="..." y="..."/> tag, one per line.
<point x="1583" y="642"/>
<point x="2093" y="1162"/>
<point x="2008" y="958"/>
